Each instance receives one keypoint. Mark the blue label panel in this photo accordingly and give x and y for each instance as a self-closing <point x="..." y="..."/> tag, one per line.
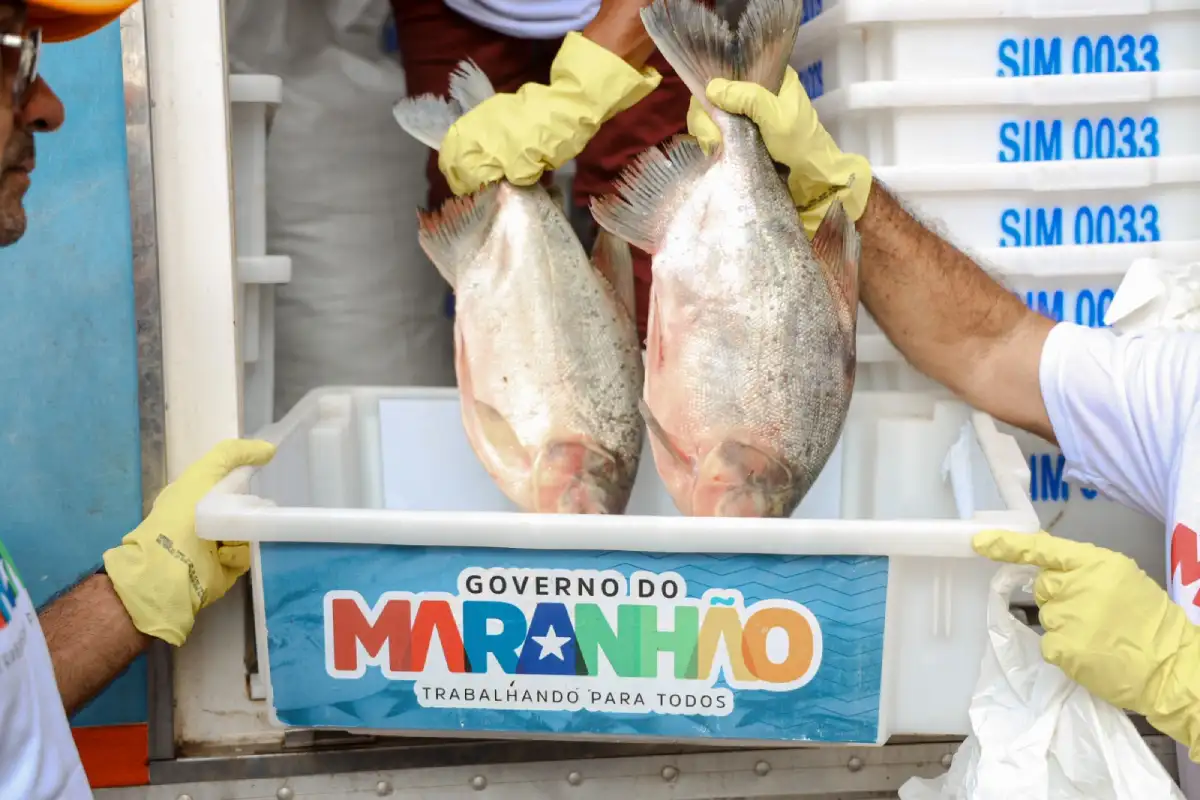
<point x="680" y="646"/>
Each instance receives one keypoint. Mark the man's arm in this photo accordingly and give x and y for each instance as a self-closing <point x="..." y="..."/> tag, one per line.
<point x="951" y="320"/>
<point x="91" y="639"/>
<point x="159" y="577"/>
<point x="617" y="27"/>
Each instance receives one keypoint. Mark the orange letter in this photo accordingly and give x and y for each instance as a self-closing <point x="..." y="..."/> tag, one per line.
<point x="800" y="645"/>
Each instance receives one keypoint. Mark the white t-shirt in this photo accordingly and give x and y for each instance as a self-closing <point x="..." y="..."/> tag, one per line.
<point x="1124" y="410"/>
<point x="38" y="757"/>
<point x="529" y="19"/>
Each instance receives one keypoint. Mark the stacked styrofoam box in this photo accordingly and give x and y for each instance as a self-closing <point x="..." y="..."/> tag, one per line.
<point x="1055" y="140"/>
<point x="251" y="98"/>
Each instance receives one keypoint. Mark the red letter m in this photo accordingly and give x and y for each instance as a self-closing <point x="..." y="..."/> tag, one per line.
<point x="353" y="629"/>
<point x="1184" y="557"/>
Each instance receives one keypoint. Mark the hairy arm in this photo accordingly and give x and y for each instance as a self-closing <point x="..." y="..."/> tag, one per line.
<point x="617" y="27"/>
<point x="91" y="639"/>
<point x="950" y="319"/>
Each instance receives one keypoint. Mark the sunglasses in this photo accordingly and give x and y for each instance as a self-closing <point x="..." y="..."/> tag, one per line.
<point x="29" y="48"/>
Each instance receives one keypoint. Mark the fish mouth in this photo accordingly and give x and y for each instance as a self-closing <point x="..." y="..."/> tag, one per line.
<point x="578" y="478"/>
<point x="740" y="480"/>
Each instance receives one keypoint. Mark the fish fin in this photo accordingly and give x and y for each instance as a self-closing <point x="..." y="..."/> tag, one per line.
<point x="490" y="435"/>
<point x="661" y="435"/>
<point x="470" y="85"/>
<point x="428" y="118"/>
<point x="501" y="445"/>
<point x="694" y="40"/>
<point x="837" y="248"/>
<point x="614" y="260"/>
<point x="700" y="44"/>
<point x="766" y="36"/>
<point x="455" y="232"/>
<point x="647" y="189"/>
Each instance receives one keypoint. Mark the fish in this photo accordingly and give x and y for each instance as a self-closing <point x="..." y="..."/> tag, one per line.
<point x="750" y="352"/>
<point x="547" y="353"/>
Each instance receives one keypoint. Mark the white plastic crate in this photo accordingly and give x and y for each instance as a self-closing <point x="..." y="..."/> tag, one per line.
<point x="1066" y="509"/>
<point x="1053" y="204"/>
<point x="1080" y="513"/>
<point x="251" y="98"/>
<point x="1069" y="283"/>
<point x="1073" y="284"/>
<point x="375" y="505"/>
<point x="937" y="40"/>
<point x="1091" y="118"/>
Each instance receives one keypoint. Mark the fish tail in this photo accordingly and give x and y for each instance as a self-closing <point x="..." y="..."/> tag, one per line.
<point x="766" y="36"/>
<point x="451" y="235"/>
<point x="700" y="45"/>
<point x="649" y="187"/>
<point x="427" y="118"/>
<point x="694" y="40"/>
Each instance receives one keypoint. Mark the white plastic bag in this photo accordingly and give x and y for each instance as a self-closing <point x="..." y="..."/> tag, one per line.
<point x="364" y="306"/>
<point x="1157" y="295"/>
<point x="1038" y="735"/>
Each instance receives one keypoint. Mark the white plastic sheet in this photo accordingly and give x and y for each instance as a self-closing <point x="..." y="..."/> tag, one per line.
<point x="1157" y="294"/>
<point x="364" y="306"/>
<point x="1038" y="735"/>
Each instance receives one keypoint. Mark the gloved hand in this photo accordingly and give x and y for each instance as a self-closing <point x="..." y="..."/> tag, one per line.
<point x="518" y="136"/>
<point x="1112" y="629"/>
<point x="163" y="573"/>
<point x="795" y="138"/>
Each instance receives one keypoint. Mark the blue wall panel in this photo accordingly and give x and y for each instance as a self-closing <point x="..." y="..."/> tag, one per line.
<point x="69" y="442"/>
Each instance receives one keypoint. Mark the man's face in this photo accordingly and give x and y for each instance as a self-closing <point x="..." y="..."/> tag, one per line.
<point x="37" y="110"/>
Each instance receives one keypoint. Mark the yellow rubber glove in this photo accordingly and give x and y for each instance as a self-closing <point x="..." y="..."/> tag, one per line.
<point x="1112" y="629"/>
<point x="519" y="136"/>
<point x="163" y="573"/>
<point x="795" y="138"/>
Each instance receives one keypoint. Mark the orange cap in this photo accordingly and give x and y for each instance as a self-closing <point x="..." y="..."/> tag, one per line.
<point x="64" y="20"/>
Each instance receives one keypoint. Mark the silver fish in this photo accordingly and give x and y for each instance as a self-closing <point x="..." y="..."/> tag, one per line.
<point x="546" y="348"/>
<point x="750" y="354"/>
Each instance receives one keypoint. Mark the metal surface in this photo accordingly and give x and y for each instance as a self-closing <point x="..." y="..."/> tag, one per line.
<point x="317" y="753"/>
<point x="151" y="406"/>
<point x="811" y="774"/>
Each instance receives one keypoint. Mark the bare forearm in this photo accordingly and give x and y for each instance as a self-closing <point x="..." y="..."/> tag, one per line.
<point x="949" y="318"/>
<point x="617" y="27"/>
<point x="91" y="639"/>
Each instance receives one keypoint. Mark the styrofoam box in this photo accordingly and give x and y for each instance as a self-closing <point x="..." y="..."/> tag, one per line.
<point x="1144" y="200"/>
<point x="375" y="506"/>
<point x="1090" y="118"/>
<point x="868" y="40"/>
<point x="251" y="98"/>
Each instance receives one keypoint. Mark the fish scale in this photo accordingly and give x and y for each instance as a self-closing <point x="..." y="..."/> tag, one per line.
<point x="750" y="352"/>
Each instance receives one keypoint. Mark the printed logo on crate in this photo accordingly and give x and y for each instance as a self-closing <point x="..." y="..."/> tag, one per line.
<point x="592" y="639"/>
<point x="736" y="647"/>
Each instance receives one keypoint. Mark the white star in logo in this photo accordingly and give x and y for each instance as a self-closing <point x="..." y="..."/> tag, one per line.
<point x="552" y="644"/>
